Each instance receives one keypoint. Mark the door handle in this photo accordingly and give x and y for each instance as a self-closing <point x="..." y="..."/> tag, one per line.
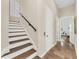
<point x="46" y="35"/>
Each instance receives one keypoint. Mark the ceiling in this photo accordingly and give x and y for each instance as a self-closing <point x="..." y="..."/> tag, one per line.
<point x="64" y="3"/>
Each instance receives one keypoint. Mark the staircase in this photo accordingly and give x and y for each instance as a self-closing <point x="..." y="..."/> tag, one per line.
<point x="20" y="44"/>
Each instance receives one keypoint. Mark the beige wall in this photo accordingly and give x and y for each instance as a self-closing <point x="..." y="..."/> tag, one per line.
<point x="4" y="25"/>
<point x="29" y="10"/>
<point x="34" y="11"/>
<point x="68" y="11"/>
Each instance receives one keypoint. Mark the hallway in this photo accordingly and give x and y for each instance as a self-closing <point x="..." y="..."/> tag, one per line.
<point x="67" y="51"/>
<point x="30" y="28"/>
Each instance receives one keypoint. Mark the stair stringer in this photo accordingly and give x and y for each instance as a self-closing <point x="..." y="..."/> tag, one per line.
<point x="28" y="34"/>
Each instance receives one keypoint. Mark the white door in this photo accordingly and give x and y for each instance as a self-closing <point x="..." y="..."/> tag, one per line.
<point x="49" y="28"/>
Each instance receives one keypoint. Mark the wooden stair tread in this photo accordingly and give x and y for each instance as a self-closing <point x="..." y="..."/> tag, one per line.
<point x="24" y="39"/>
<point x="17" y="35"/>
<point x="18" y="38"/>
<point x="26" y="54"/>
<point x="17" y="31"/>
<point x="20" y="47"/>
<point x="17" y="48"/>
<point x="36" y="57"/>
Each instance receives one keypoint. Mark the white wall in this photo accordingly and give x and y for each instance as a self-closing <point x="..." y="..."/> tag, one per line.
<point x="34" y="11"/>
<point x="42" y="18"/>
<point x="55" y="10"/>
<point x="14" y="8"/>
<point x="4" y="26"/>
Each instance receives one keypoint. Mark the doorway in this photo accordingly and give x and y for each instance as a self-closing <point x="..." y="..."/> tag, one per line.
<point x="67" y="28"/>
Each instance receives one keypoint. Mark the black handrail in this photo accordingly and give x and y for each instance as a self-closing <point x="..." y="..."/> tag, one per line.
<point x="28" y="22"/>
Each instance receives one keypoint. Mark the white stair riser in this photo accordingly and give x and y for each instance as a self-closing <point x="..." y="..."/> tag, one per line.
<point x="16" y="27"/>
<point x="12" y="34"/>
<point x="15" y="30"/>
<point x="18" y="38"/>
<point x="19" y="44"/>
<point x="13" y="23"/>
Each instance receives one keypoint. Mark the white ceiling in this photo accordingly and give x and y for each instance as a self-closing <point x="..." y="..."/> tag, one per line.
<point x="64" y="3"/>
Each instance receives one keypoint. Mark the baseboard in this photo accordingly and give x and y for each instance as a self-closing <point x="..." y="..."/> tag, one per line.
<point x="4" y="51"/>
<point x="42" y="55"/>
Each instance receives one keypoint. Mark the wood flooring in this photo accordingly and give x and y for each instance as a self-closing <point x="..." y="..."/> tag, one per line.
<point x="67" y="51"/>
